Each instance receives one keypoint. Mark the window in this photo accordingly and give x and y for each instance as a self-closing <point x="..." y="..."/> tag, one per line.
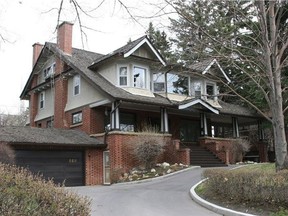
<point x="77" y="118"/>
<point x="76" y="85"/>
<point x="41" y="100"/>
<point x="197" y="89"/>
<point x="123" y="76"/>
<point x="159" y="82"/>
<point x="139" y="77"/>
<point x="47" y="72"/>
<point x="210" y="91"/>
<point x="49" y="124"/>
<point x="127" y="122"/>
<point x="177" y="84"/>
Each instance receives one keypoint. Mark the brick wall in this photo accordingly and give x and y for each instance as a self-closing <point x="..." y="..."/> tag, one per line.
<point x="92" y="119"/>
<point x="120" y="146"/>
<point x="222" y="147"/>
<point x="219" y="146"/>
<point x="93" y="166"/>
<point x="61" y="87"/>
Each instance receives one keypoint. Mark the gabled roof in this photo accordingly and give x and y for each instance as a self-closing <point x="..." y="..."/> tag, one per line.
<point x="47" y="136"/>
<point x="80" y="60"/>
<point x="129" y="49"/>
<point x="204" y="66"/>
<point x="195" y="101"/>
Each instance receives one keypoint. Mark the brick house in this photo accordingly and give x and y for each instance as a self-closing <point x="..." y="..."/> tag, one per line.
<point x="112" y="97"/>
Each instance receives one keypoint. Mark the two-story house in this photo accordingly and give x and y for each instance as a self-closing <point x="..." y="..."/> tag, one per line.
<point x="112" y="97"/>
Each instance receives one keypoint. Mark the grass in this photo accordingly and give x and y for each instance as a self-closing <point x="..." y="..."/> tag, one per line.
<point x="255" y="189"/>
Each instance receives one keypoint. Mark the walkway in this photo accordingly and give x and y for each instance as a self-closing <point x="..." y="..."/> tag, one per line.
<point x="160" y="197"/>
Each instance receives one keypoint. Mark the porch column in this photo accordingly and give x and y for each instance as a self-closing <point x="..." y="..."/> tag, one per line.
<point x="203" y="122"/>
<point x="235" y="127"/>
<point x="164" y="120"/>
<point x="260" y="130"/>
<point x="114" y="118"/>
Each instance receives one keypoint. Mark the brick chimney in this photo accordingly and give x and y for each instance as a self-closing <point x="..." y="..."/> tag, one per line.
<point x="64" y="37"/>
<point x="37" y="48"/>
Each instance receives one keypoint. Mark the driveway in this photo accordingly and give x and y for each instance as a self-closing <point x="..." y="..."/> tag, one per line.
<point x="161" y="197"/>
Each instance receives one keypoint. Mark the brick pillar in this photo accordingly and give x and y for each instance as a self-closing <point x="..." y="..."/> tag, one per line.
<point x="37" y="48"/>
<point x="64" y="37"/>
<point x="33" y="103"/>
<point x="93" y="166"/>
<point x="61" y="88"/>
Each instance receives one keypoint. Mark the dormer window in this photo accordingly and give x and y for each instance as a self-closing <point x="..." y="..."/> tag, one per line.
<point x="177" y="84"/>
<point x="197" y="89"/>
<point x="211" y="91"/>
<point x="139" y="77"/>
<point x="123" y="76"/>
<point x="159" y="82"/>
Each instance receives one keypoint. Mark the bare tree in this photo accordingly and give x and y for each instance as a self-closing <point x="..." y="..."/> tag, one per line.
<point x="253" y="45"/>
<point x="14" y="119"/>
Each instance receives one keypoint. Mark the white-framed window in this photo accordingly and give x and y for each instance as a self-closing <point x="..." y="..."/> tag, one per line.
<point x="123" y="76"/>
<point x="177" y="84"/>
<point x="77" y="118"/>
<point x="210" y="90"/>
<point x="42" y="100"/>
<point x="76" y="85"/>
<point x="197" y="89"/>
<point x="159" y="82"/>
<point x="48" y="71"/>
<point x="139" y="77"/>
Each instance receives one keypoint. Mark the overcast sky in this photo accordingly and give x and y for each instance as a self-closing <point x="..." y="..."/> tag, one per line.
<point x="25" y="22"/>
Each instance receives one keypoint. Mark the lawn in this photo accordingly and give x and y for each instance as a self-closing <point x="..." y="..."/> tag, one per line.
<point x="255" y="189"/>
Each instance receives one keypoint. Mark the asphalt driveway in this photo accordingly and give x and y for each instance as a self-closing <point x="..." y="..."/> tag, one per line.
<point x="160" y="197"/>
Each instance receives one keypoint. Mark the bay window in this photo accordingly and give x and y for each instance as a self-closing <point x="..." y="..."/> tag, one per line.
<point x="139" y="77"/>
<point x="123" y="76"/>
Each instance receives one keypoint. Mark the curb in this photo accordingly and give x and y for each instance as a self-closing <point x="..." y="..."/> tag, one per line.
<point x="213" y="207"/>
<point x="157" y="178"/>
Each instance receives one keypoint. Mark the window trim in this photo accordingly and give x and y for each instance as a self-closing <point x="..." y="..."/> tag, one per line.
<point x="78" y="121"/>
<point x="118" y="75"/>
<point x="155" y="82"/>
<point x="75" y="84"/>
<point x="212" y="97"/>
<point x="49" y="70"/>
<point x="145" y="76"/>
<point x="42" y="100"/>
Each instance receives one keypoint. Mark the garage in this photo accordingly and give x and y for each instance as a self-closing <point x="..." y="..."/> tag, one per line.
<point x="61" y="166"/>
<point x="63" y="155"/>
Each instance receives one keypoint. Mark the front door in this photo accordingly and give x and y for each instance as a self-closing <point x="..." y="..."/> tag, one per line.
<point x="189" y="130"/>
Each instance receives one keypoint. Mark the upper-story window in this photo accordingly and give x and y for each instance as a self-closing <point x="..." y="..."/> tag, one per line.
<point x="210" y="90"/>
<point x="41" y="100"/>
<point x="139" y="77"/>
<point x="48" y="71"/>
<point x="159" y="82"/>
<point x="123" y="76"/>
<point x="177" y="84"/>
<point x="76" y="85"/>
<point x="197" y="87"/>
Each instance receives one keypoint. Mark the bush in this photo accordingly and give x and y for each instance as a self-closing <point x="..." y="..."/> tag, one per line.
<point x="243" y="185"/>
<point x="23" y="194"/>
<point x="147" y="150"/>
<point x="7" y="154"/>
<point x="239" y="148"/>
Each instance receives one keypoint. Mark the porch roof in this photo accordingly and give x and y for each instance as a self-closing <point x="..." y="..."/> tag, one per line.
<point x="198" y="101"/>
